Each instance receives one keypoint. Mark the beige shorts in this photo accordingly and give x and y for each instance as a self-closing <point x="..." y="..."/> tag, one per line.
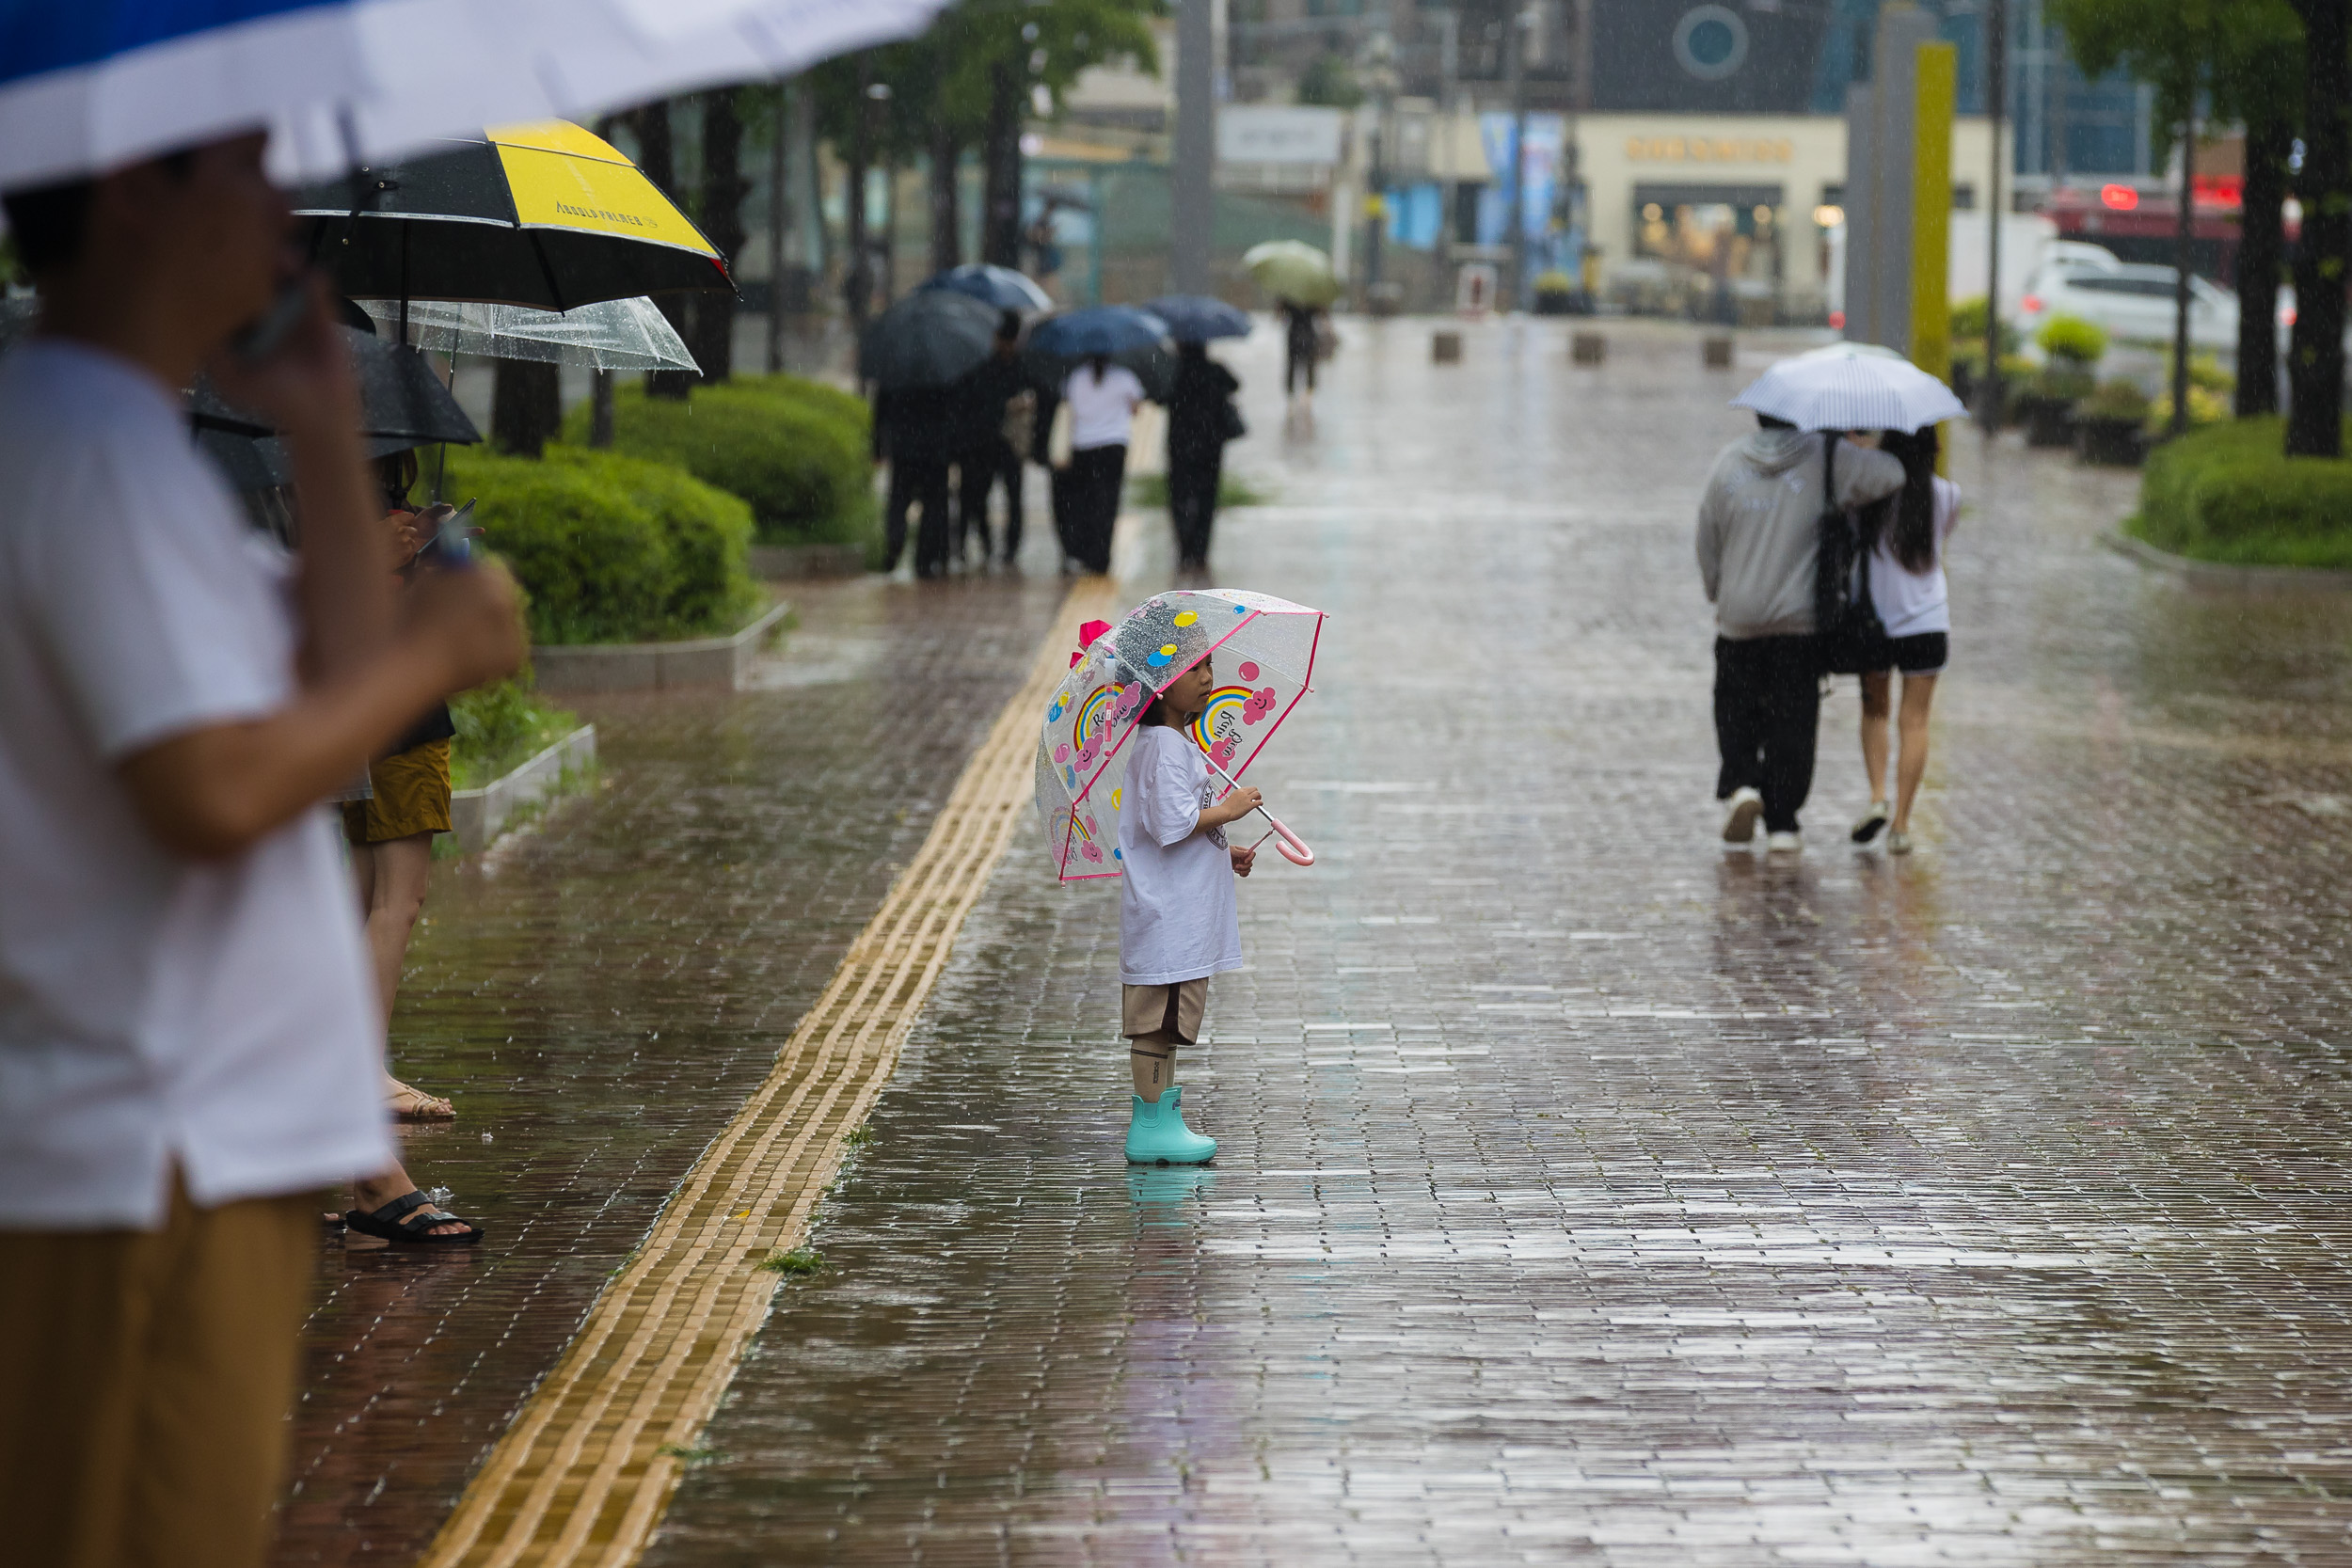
<point x="1167" y="1010"/>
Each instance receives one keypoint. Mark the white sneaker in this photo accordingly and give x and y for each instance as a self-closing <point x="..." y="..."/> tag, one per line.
<point x="1866" y="826"/>
<point x="1786" y="844"/>
<point x="1899" y="844"/>
<point x="1740" y="815"/>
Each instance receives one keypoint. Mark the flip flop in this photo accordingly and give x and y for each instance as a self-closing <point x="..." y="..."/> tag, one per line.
<point x="402" y="1223"/>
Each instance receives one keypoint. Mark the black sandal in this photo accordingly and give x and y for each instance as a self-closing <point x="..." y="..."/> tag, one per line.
<point x="402" y="1223"/>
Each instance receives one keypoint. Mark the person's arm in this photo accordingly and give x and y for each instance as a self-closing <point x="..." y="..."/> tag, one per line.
<point x="1711" y="541"/>
<point x="213" y="792"/>
<point x="1864" y="476"/>
<point x="365" y="671"/>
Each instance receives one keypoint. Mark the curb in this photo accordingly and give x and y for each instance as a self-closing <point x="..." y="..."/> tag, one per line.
<point x="477" y="816"/>
<point x="772" y="561"/>
<point x="2226" y="577"/>
<point x="704" y="661"/>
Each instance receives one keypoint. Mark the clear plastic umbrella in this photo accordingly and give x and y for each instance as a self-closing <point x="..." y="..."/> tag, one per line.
<point x="1265" y="650"/>
<point x="613" y="335"/>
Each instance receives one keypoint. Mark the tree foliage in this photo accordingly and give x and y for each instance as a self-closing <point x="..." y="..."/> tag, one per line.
<point x="947" y="73"/>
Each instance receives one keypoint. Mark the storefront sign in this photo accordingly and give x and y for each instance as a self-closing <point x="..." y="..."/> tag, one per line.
<point x="1258" y="133"/>
<point x="1709" y="150"/>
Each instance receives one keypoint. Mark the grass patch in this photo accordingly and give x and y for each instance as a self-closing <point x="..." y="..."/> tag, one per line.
<point x="2226" y="493"/>
<point x="1231" y="490"/>
<point x="859" y="1136"/>
<point x="799" y="1262"/>
<point x="500" y="728"/>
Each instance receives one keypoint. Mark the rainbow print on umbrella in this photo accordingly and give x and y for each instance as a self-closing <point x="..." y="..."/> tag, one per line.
<point x="1095" y="712"/>
<point x="1218" y="731"/>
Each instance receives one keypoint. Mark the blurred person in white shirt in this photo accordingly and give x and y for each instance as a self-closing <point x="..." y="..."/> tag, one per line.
<point x="190" y="1046"/>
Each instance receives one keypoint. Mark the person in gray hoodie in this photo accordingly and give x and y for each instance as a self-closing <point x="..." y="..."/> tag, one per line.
<point x="1759" y="533"/>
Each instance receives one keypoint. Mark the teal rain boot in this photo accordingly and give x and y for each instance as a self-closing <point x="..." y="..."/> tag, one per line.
<point x="1156" y="1135"/>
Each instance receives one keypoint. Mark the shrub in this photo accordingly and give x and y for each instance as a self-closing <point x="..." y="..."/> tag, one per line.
<point x="2064" y="380"/>
<point x="2071" y="340"/>
<point x="611" y="549"/>
<point x="2227" y="494"/>
<point x="2205" y="408"/>
<point x="2204" y="369"/>
<point x="1967" y="327"/>
<point x="500" y="728"/>
<point x="2114" y="400"/>
<point x="796" y="451"/>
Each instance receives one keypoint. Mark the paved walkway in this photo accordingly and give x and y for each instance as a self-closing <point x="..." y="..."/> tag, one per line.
<point x="1589" y="1194"/>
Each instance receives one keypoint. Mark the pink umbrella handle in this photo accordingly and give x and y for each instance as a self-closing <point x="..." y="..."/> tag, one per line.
<point x="1290" y="845"/>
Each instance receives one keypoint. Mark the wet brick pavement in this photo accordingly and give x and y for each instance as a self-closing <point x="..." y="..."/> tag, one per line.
<point x="600" y="993"/>
<point x="1588" y="1193"/>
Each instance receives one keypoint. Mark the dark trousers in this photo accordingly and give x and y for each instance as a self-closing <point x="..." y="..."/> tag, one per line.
<point x="1062" y="486"/>
<point x="921" y="482"/>
<point x="1768" y="707"/>
<point x="977" y="475"/>
<point x="1096" y="476"/>
<point x="1299" y="366"/>
<point x="1193" y="473"/>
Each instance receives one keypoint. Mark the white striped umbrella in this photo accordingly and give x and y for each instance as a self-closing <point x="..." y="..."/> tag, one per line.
<point x="1852" y="387"/>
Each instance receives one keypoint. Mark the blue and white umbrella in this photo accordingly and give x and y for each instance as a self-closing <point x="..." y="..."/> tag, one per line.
<point x="1002" y="287"/>
<point x="1198" y="318"/>
<point x="1112" y="329"/>
<point x="88" y="85"/>
<point x="1855" y="387"/>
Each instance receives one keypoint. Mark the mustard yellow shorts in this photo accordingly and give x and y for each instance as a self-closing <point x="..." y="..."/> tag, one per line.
<point x="411" y="796"/>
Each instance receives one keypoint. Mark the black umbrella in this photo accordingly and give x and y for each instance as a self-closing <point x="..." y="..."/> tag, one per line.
<point x="402" y="405"/>
<point x="545" y="215"/>
<point x="930" y="338"/>
<point x="1002" y="287"/>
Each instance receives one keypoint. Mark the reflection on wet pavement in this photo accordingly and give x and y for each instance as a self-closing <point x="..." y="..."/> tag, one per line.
<point x="599" y="994"/>
<point x="1589" y="1193"/>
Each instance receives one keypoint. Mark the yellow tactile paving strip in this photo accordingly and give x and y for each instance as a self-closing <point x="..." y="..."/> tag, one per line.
<point x="580" y="1477"/>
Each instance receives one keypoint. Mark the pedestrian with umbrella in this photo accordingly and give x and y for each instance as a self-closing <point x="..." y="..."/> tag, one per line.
<point x="1771" y="502"/>
<point x="984" y="453"/>
<point x="1153" y="818"/>
<point x="1200" y="419"/>
<point x="1300" y="279"/>
<point x="913" y="355"/>
<point x="1103" y="398"/>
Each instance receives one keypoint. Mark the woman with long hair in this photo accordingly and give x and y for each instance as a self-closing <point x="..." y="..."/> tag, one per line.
<point x="1903" y="538"/>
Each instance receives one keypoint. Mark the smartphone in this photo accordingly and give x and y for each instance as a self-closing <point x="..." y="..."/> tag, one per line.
<point x="262" y="337"/>
<point x="453" y="545"/>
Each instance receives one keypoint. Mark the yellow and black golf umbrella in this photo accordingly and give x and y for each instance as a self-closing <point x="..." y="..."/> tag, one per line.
<point x="545" y="214"/>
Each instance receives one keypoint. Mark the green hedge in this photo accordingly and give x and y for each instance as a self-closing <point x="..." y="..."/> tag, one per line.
<point x="796" y="451"/>
<point x="2226" y="493"/>
<point x="611" y="549"/>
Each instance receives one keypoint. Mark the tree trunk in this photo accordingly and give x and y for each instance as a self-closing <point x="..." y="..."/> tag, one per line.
<point x="1000" y="223"/>
<point x="657" y="157"/>
<point x="779" y="222"/>
<point x="946" y="205"/>
<point x="526" y="408"/>
<point x="600" y="409"/>
<point x="724" y="189"/>
<point x="857" y="264"/>
<point x="2261" y="244"/>
<point x="2315" y="355"/>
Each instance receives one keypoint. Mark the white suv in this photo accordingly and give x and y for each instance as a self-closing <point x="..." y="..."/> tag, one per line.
<point x="2135" y="302"/>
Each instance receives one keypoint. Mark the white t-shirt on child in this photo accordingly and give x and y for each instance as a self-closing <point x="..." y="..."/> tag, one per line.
<point x="1912" y="603"/>
<point x="1177" y="919"/>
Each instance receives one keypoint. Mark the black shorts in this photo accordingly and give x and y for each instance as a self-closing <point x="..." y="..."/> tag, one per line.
<point x="1922" y="653"/>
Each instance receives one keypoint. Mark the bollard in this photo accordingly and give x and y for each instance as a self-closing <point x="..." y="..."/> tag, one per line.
<point x="1717" y="353"/>
<point x="1587" y="348"/>
<point x="1445" y="348"/>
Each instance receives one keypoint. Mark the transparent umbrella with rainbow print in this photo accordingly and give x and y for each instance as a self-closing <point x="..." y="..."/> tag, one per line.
<point x="1265" y="658"/>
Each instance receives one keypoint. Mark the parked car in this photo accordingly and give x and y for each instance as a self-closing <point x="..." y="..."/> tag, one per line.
<point x="2133" y="302"/>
